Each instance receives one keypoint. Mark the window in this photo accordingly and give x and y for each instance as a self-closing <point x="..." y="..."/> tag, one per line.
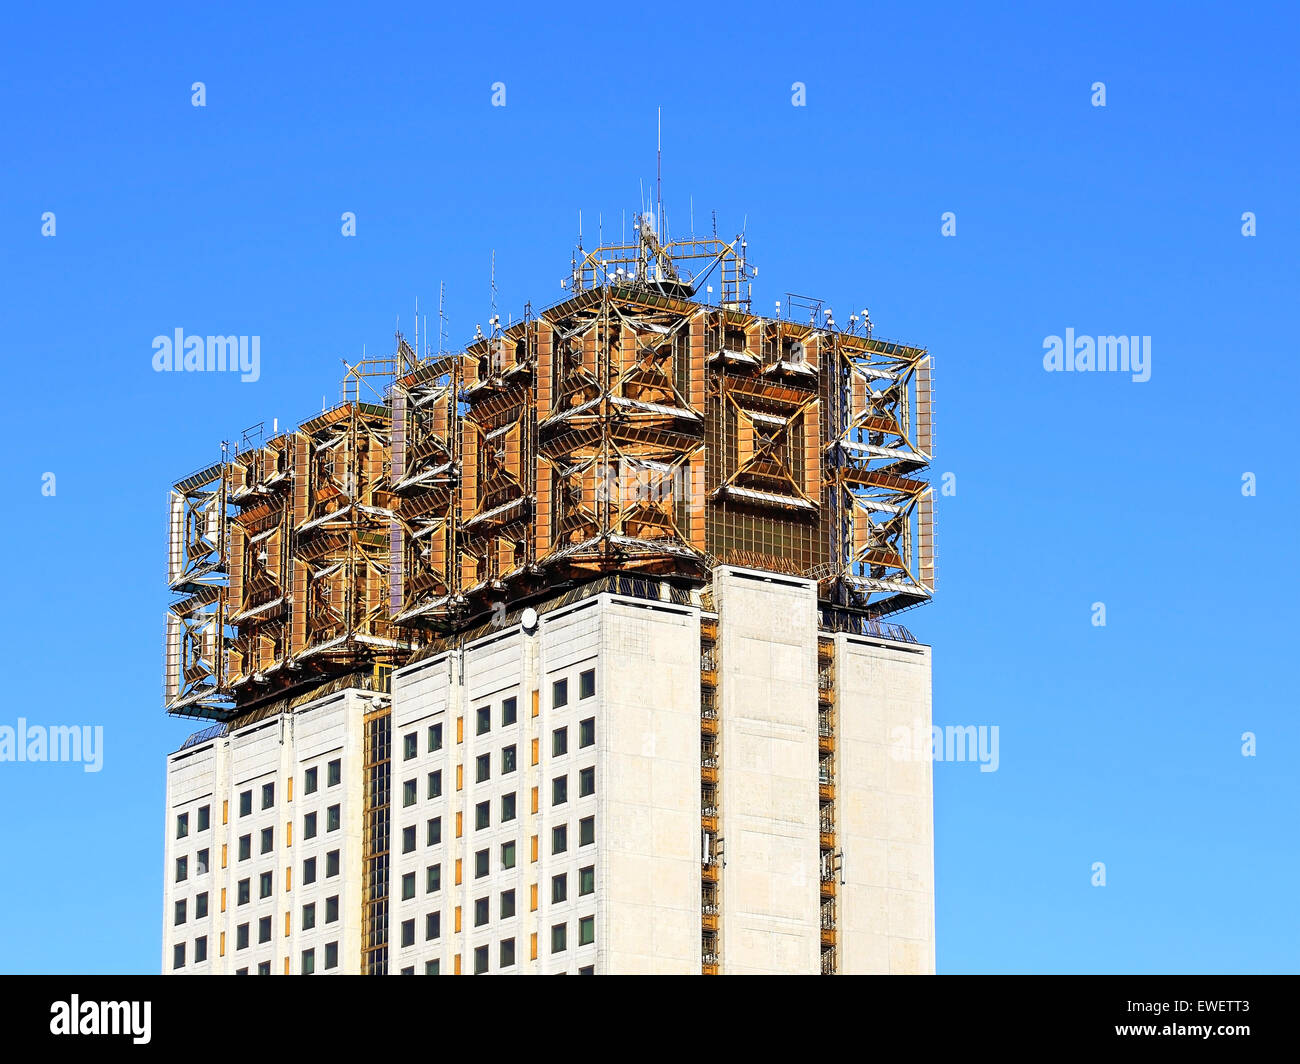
<point x="589" y="969"/>
<point x="200" y="949"/>
<point x="408" y="886"/>
<point x="433" y="831"/>
<point x="559" y="790"/>
<point x="309" y="870"/>
<point x="243" y="892"/>
<point x="507" y="906"/>
<point x="482" y="720"/>
<point x="309" y="781"/>
<point x="507" y="807"/>
<point x="431" y="967"/>
<point x="481" y="913"/>
<point x="507" y="952"/>
<point x="410" y="746"/>
<point x="587" y="782"/>
<point x="245" y="847"/>
<point x="334" y="817"/>
<point x="182" y="825"/>
<point x="508" y="855"/>
<point x="241" y="937"/>
<point x="587" y="732"/>
<point x="180" y="913"/>
<point x="560" y="838"/>
<point x="245" y="803"/>
<point x="331" y="955"/>
<point x="182" y="869"/>
<point x="509" y="712"/>
<point x="480" y="960"/>
<point x="268" y="840"/>
<point x="480" y="864"/>
<point x="178" y="955"/>
<point x="264" y="929"/>
<point x="264" y="968"/>
<point x="265" y="885"/>
<point x="435" y="737"/>
<point x="334" y="775"/>
<point x="509" y="759"/>
<point x="309" y="962"/>
<point x="587" y="684"/>
<point x="408" y="839"/>
<point x="332" y="863"/>
<point x="408" y="932"/>
<point x="309" y="916"/>
<point x="586" y="931"/>
<point x="587" y="880"/>
<point x="331" y="909"/>
<point x="201" y="864"/>
<point x="435" y="784"/>
<point x="241" y="971"/>
<point x="408" y="793"/>
<point x="559" y="888"/>
<point x="433" y="878"/>
<point x="560" y="693"/>
<point x="559" y="938"/>
<point x="559" y="742"/>
<point x="268" y="795"/>
<point x="586" y="831"/>
<point x="482" y="767"/>
<point x="200" y="905"/>
<point x="482" y="815"/>
<point x="309" y="826"/>
<point x="205" y="817"/>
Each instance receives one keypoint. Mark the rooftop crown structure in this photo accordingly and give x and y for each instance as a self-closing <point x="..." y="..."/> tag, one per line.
<point x="632" y="428"/>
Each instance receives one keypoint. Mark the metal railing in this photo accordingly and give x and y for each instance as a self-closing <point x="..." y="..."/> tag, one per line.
<point x="217" y="731"/>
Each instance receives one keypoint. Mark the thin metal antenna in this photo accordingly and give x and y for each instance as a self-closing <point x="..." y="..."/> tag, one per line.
<point x="494" y="290"/>
<point x="417" y="330"/>
<point x="579" y="230"/>
<point x="659" y="179"/>
<point x="442" y="317"/>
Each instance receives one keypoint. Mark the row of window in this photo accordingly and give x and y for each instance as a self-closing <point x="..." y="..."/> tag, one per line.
<point x="264" y="968"/>
<point x="203" y="815"/>
<point x="559" y="839"/>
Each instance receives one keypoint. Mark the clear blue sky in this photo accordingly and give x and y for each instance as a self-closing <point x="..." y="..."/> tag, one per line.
<point x="1118" y="744"/>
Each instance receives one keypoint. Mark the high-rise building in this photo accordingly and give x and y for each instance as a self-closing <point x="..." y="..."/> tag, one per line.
<point x="570" y="656"/>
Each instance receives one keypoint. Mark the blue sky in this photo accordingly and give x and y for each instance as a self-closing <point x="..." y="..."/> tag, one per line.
<point x="1119" y="744"/>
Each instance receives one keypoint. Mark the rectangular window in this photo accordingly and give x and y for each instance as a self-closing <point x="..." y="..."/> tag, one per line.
<point x="559" y="790"/>
<point x="507" y="855"/>
<point x="243" y="892"/>
<point x="408" y="839"/>
<point x="410" y="746"/>
<point x="507" y="807"/>
<point x="331" y="864"/>
<point x="559" y="888"/>
<point x="586" y="831"/>
<point x="586" y="931"/>
<point x="482" y="815"/>
<point x="200" y="949"/>
<point x="309" y="826"/>
<point x="200" y="905"/>
<point x="507" y="906"/>
<point x="334" y="818"/>
<point x="409" y="793"/>
<point x="587" y="782"/>
<point x="309" y="870"/>
<point x="482" y="720"/>
<point x="482" y="768"/>
<point x="560" y="838"/>
<point x="264" y="929"/>
<point x="182" y="869"/>
<point x="268" y="795"/>
<point x="433" y="831"/>
<point x="559" y="742"/>
<point x="507" y="952"/>
<point x="433" y="878"/>
<point x="480" y="960"/>
<point x="559" y="938"/>
<point x="435" y="737"/>
<point x="509" y="712"/>
<point x="587" y="880"/>
<point x="408" y="932"/>
<point x="268" y="840"/>
<point x="241" y="937"/>
<point x="309" y="962"/>
<point x="266" y="884"/>
<point x="587" y="684"/>
<point x="432" y="926"/>
<point x="309" y="916"/>
<point x="481" y="911"/>
<point x="182" y="825"/>
<point x="264" y="968"/>
<point x="435" y="784"/>
<point x="331" y="909"/>
<point x="480" y="864"/>
<point x="408" y="886"/>
<point x="560" y="693"/>
<point x="509" y="759"/>
<point x="331" y="955"/>
<point x="309" y="781"/>
<point x="205" y="817"/>
<point x="245" y="847"/>
<point x="334" y="776"/>
<point x="431" y="967"/>
<point x="587" y="732"/>
<point x="201" y="864"/>
<point x="245" y="803"/>
<point x="178" y="955"/>
<point x="179" y="916"/>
